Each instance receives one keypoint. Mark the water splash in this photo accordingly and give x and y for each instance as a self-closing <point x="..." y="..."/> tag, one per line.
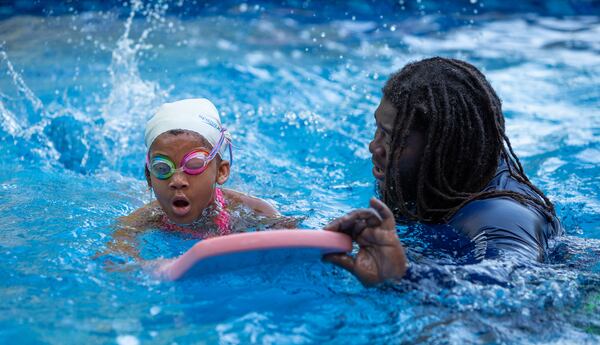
<point x="31" y="136"/>
<point x="9" y="122"/>
<point x="71" y="137"/>
<point x="132" y="99"/>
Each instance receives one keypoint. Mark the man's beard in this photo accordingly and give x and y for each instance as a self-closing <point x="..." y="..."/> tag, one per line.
<point x="411" y="206"/>
<point x="378" y="190"/>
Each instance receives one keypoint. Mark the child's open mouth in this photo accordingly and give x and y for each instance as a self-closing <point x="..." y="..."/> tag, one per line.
<point x="181" y="206"/>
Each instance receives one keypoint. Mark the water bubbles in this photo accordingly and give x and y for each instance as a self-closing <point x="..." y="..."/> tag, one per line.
<point x="473" y="1"/>
<point x="202" y="62"/>
<point x="226" y="45"/>
<point x="155" y="310"/>
<point x="393" y="28"/>
<point x="305" y="34"/>
<point x="5" y="186"/>
<point x="243" y="7"/>
<point x="127" y="340"/>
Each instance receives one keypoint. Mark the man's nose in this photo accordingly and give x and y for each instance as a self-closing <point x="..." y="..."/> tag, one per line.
<point x="372" y="146"/>
<point x="179" y="180"/>
<point x="375" y="145"/>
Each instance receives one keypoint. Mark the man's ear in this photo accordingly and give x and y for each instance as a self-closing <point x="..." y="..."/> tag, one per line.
<point x="147" y="173"/>
<point x="223" y="172"/>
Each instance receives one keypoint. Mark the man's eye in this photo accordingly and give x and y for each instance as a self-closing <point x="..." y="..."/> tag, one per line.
<point x="386" y="137"/>
<point x="383" y="132"/>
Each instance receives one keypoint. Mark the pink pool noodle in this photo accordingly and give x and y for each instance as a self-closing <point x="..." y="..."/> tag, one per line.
<point x="325" y="241"/>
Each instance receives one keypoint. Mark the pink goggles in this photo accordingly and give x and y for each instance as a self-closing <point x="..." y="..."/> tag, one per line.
<point x="193" y="163"/>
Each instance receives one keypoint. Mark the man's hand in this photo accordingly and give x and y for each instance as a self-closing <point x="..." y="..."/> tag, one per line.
<point x="381" y="255"/>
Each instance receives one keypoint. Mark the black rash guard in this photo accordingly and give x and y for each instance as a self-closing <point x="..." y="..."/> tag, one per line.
<point x="502" y="225"/>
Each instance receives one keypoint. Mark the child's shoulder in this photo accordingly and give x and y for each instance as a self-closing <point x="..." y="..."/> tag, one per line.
<point x="144" y="216"/>
<point x="260" y="206"/>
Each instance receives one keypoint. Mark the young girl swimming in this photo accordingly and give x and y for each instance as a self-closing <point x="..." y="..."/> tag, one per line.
<point x="185" y="167"/>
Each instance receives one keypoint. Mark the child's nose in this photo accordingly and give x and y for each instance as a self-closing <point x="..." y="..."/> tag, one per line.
<point x="178" y="180"/>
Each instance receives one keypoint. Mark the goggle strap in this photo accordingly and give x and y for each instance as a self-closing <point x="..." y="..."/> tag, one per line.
<point x="217" y="147"/>
<point x="223" y="130"/>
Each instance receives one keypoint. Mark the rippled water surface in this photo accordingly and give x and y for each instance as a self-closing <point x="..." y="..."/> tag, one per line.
<point x="297" y="84"/>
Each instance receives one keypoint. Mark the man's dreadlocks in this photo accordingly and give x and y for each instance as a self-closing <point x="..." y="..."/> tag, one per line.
<point x="464" y="123"/>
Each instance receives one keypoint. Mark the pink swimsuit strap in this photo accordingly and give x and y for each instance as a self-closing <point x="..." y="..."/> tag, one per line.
<point x="222" y="220"/>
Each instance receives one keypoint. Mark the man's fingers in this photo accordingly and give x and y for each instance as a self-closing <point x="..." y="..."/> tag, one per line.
<point x="345" y="261"/>
<point x="382" y="210"/>
<point x="334" y="225"/>
<point x="355" y="222"/>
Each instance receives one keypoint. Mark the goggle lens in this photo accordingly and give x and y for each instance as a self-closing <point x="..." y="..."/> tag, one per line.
<point x="196" y="162"/>
<point x="162" y="168"/>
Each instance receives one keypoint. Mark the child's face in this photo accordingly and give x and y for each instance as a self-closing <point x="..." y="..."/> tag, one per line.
<point x="183" y="197"/>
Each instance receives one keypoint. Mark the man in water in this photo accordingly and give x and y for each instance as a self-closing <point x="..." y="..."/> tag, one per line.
<point x="441" y="156"/>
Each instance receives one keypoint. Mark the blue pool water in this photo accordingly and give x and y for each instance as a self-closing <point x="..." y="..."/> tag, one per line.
<point x="297" y="84"/>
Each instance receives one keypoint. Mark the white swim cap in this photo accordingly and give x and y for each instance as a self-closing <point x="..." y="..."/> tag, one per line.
<point x="198" y="115"/>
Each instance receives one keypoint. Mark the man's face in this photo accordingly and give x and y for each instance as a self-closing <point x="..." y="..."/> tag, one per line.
<point x="406" y="161"/>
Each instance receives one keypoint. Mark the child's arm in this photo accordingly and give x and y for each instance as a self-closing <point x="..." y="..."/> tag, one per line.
<point x="124" y="239"/>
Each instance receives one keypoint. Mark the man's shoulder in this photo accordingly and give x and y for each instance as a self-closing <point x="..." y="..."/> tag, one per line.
<point x="500" y="214"/>
<point x="504" y="225"/>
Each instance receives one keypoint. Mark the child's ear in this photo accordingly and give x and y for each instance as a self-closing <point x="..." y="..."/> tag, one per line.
<point x="223" y="172"/>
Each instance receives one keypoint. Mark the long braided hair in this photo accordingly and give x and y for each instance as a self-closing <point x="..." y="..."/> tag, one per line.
<point x="465" y="140"/>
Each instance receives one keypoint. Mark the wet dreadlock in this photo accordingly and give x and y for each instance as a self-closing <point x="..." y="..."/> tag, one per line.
<point x="464" y="123"/>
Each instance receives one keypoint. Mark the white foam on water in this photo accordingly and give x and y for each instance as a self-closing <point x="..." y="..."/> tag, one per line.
<point x="127" y="340"/>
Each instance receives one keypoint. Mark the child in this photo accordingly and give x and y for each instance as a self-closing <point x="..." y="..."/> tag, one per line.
<point x="185" y="165"/>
